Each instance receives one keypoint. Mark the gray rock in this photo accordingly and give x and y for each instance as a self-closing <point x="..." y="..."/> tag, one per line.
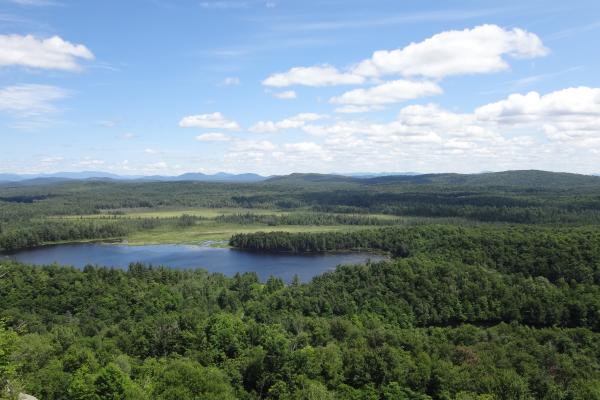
<point x="23" y="396"/>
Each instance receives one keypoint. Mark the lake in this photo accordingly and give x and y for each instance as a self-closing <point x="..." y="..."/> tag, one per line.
<point x="223" y="260"/>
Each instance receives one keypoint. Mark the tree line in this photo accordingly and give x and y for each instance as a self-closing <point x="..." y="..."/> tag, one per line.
<point x="305" y="218"/>
<point x="567" y="203"/>
<point x="570" y="254"/>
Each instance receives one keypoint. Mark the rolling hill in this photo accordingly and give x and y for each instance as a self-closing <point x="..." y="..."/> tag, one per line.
<point x="525" y="179"/>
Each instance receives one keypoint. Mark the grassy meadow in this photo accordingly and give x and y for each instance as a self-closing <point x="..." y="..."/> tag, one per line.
<point x="206" y="226"/>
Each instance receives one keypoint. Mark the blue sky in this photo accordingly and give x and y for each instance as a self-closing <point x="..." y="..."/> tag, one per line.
<point x="165" y="87"/>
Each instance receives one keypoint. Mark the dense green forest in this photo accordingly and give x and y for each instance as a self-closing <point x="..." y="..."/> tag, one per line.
<point x="491" y="292"/>
<point x="570" y="254"/>
<point x="410" y="329"/>
<point x="520" y="197"/>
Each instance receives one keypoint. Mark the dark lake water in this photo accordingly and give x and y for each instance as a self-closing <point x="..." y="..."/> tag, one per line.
<point x="225" y="261"/>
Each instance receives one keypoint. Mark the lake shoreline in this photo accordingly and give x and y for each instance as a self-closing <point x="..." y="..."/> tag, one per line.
<point x="228" y="261"/>
<point x="214" y="244"/>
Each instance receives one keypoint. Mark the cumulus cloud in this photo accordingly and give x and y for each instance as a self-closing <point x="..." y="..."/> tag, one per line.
<point x="386" y="93"/>
<point x="569" y="115"/>
<point x="577" y="101"/>
<point x="215" y="120"/>
<point x="572" y="113"/>
<point x="353" y="109"/>
<point x="303" y="147"/>
<point x="471" y="51"/>
<point x="285" y="95"/>
<point x="213" y="137"/>
<point x="558" y="130"/>
<point x="305" y="150"/>
<point x="295" y="122"/>
<point x="482" y="49"/>
<point x="51" y="53"/>
<point x="322" y="75"/>
<point x="392" y="132"/>
<point x="30" y="99"/>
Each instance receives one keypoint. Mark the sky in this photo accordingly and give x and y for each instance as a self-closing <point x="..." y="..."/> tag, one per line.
<point x="279" y="86"/>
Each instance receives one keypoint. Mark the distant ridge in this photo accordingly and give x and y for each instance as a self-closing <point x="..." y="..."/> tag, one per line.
<point x="524" y="179"/>
<point x="527" y="179"/>
<point x="95" y="175"/>
<point x="378" y="174"/>
<point x="310" y="178"/>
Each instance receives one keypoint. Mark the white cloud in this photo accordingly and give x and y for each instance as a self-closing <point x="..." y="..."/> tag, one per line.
<point x="208" y="121"/>
<point x="29" y="99"/>
<point x="392" y="132"/>
<point x="271" y="127"/>
<point x="32" y="52"/>
<point x="305" y="149"/>
<point x="91" y="162"/>
<point x="470" y="51"/>
<point x="150" y="151"/>
<point x="129" y="135"/>
<point x="308" y="117"/>
<point x="556" y="131"/>
<point x="578" y="101"/>
<point x="323" y="75"/>
<point x="388" y="92"/>
<point x="213" y="137"/>
<point x="295" y="122"/>
<point x="285" y="95"/>
<point x="482" y="49"/>
<point x="231" y="81"/>
<point x="307" y="156"/>
<point x="433" y="117"/>
<point x="157" y="166"/>
<point x="253" y="145"/>
<point x="353" y="109"/>
<point x="570" y="115"/>
<point x="48" y="161"/>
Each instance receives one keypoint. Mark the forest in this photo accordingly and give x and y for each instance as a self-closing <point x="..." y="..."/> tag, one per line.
<point x="491" y="290"/>
<point x="35" y="214"/>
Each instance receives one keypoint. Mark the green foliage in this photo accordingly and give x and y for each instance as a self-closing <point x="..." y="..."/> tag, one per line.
<point x="303" y="218"/>
<point x="570" y="254"/>
<point x="518" y="197"/>
<point x="411" y="328"/>
<point x="463" y="310"/>
<point x="187" y="380"/>
<point x="110" y="383"/>
<point x="8" y="343"/>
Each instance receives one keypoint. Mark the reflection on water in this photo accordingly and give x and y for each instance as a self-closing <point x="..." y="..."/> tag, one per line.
<point x="225" y="261"/>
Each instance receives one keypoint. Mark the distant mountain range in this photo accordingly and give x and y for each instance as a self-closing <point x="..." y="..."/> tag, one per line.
<point x="190" y="176"/>
<point x="524" y="179"/>
<point x="99" y="175"/>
